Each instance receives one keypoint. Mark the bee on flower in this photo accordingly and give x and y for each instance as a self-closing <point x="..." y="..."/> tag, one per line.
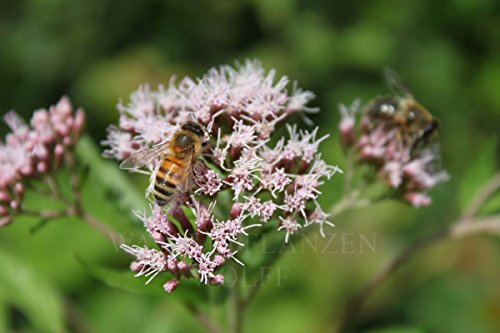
<point x="397" y="137"/>
<point x="234" y="179"/>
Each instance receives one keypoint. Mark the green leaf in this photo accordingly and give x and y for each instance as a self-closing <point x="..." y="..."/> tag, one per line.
<point x="491" y="206"/>
<point x="4" y="318"/>
<point x="397" y="329"/>
<point x="124" y="280"/>
<point x="31" y="294"/>
<point x="480" y="169"/>
<point x="262" y="253"/>
<point x="189" y="290"/>
<point x="109" y="175"/>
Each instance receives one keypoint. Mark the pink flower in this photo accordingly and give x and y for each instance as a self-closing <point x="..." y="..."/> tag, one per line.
<point x="32" y="151"/>
<point x="150" y="261"/>
<point x="275" y="180"/>
<point x="290" y="225"/>
<point x="242" y="180"/>
<point x="417" y="199"/>
<point x="408" y="169"/>
<point x="318" y="216"/>
<point x="170" y="286"/>
<point x="348" y="122"/>
<point x="207" y="180"/>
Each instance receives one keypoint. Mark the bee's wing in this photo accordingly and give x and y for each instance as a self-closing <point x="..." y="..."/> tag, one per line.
<point x="396" y="84"/>
<point x="144" y="157"/>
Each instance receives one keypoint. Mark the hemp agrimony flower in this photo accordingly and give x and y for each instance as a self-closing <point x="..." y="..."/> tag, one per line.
<point x="247" y="177"/>
<point x="31" y="151"/>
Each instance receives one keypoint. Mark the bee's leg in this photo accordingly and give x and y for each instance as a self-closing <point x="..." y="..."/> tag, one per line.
<point x="399" y="139"/>
<point x="426" y="135"/>
<point x="160" y="202"/>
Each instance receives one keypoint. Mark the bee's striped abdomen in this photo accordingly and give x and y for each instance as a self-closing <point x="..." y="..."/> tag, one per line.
<point x="165" y="183"/>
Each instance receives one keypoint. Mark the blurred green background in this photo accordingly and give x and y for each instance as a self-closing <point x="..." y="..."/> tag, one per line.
<point x="98" y="51"/>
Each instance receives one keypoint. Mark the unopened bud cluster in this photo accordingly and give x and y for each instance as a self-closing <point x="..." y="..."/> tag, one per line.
<point x="33" y="150"/>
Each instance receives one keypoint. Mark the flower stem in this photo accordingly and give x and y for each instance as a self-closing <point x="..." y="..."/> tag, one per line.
<point x="77" y="204"/>
<point x="204" y="320"/>
<point x="74" y="208"/>
<point x="100" y="227"/>
<point x="457" y="229"/>
<point x="265" y="273"/>
<point x="74" y="181"/>
<point x="235" y="307"/>
<point x="481" y="197"/>
<point x="349" y="202"/>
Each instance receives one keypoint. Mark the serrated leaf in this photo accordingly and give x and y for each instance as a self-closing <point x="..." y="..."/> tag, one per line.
<point x="38" y="300"/>
<point x="109" y="175"/>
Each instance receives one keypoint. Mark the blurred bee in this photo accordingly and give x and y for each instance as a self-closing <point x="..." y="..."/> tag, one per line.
<point x="175" y="173"/>
<point x="403" y="111"/>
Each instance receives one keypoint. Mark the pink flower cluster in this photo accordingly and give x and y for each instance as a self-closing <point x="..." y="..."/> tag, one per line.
<point x="246" y="178"/>
<point x="408" y="169"/>
<point x="33" y="150"/>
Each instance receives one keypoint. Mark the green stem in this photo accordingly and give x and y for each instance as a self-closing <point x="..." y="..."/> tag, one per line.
<point x="77" y="204"/>
<point x="457" y="229"/>
<point x="235" y="309"/>
<point x="481" y="197"/>
<point x="74" y="208"/>
<point x="203" y="319"/>
<point x="349" y="202"/>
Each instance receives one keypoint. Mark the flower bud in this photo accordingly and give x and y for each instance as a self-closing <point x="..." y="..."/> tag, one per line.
<point x="5" y="220"/>
<point x="417" y="199"/>
<point x="346" y="133"/>
<point x="219" y="260"/>
<point x="136" y="267"/>
<point x="14" y="204"/>
<point x="184" y="268"/>
<point x="172" y="266"/>
<point x="19" y="189"/>
<point x="170" y="285"/>
<point x="217" y="279"/>
<point x="63" y="107"/>
<point x="67" y="141"/>
<point x="158" y="237"/>
<point x="4" y="197"/>
<point x="78" y="123"/>
<point x="41" y="167"/>
<point x="27" y="170"/>
<point x="235" y="210"/>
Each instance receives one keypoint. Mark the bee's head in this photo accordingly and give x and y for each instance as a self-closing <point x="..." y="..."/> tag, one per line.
<point x="195" y="128"/>
<point x="184" y="142"/>
<point x="382" y="107"/>
<point x="198" y="130"/>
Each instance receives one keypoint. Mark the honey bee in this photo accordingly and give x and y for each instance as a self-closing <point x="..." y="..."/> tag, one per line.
<point x="175" y="172"/>
<point x="403" y="111"/>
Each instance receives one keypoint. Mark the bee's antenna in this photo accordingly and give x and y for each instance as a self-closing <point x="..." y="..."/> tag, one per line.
<point x="193" y="118"/>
